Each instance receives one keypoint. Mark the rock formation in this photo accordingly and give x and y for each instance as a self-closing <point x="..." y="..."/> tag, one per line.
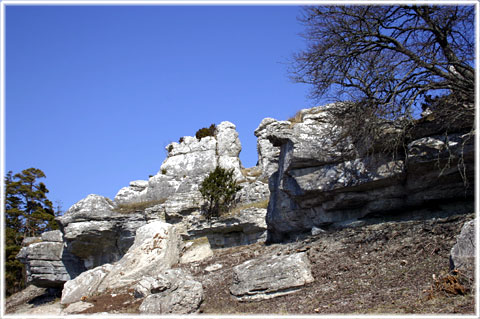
<point x="318" y="178"/>
<point x="462" y="256"/>
<point x="46" y="264"/>
<point x="270" y="277"/>
<point x="322" y="179"/>
<point x="145" y="269"/>
<point x="95" y="232"/>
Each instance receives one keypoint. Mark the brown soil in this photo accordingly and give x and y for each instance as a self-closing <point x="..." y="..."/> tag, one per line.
<point x="377" y="269"/>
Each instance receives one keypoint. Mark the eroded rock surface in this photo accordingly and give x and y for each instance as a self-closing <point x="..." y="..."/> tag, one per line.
<point x="156" y="247"/>
<point x="270" y="277"/>
<point x="46" y="263"/>
<point x="96" y="233"/>
<point x="174" y="292"/>
<point x="324" y="179"/>
<point x="462" y="255"/>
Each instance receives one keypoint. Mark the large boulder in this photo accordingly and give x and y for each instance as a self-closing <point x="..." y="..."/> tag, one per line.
<point x="270" y="277"/>
<point x="157" y="247"/>
<point x="462" y="255"/>
<point x="173" y="292"/>
<point x="323" y="178"/>
<point x="84" y="285"/>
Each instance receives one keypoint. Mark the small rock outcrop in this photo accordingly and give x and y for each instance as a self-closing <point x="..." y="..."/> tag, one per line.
<point x="84" y="285"/>
<point x="462" y="255"/>
<point x="324" y="179"/>
<point x="270" y="277"/>
<point x="246" y="227"/>
<point x="173" y="292"/>
<point x="268" y="154"/>
<point x="44" y="260"/>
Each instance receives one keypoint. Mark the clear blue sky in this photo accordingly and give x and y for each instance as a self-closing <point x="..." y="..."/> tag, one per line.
<point x="95" y="93"/>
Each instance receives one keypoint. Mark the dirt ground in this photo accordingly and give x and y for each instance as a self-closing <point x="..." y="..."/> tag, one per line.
<point x="384" y="268"/>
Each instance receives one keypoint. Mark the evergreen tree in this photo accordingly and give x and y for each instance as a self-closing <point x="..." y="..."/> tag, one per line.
<point x="219" y="189"/>
<point x="28" y="212"/>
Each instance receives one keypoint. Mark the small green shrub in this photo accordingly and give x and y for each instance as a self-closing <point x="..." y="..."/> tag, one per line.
<point x="170" y="148"/>
<point x="164" y="171"/>
<point x="218" y="189"/>
<point x="204" y="132"/>
<point x="181" y="139"/>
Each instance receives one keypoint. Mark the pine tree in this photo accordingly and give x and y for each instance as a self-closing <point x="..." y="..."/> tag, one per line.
<point x="219" y="189"/>
<point x="28" y="212"/>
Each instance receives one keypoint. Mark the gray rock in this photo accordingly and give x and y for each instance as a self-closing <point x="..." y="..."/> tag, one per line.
<point x="267" y="153"/>
<point x="44" y="266"/>
<point x="252" y="192"/>
<point x="182" y="297"/>
<point x="156" y="247"/>
<point x="84" y="285"/>
<point x="191" y="157"/>
<point x="151" y="285"/>
<point x="246" y="227"/>
<point x="196" y="250"/>
<point x="96" y="233"/>
<point x="30" y="240"/>
<point x="322" y="178"/>
<point x="135" y="193"/>
<point x="317" y="231"/>
<point x="213" y="267"/>
<point x="228" y="148"/>
<point x="53" y="236"/>
<point x="270" y="277"/>
<point x="22" y="297"/>
<point x="462" y="255"/>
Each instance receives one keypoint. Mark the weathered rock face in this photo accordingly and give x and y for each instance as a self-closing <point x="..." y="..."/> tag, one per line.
<point x="173" y="292"/>
<point x="270" y="277"/>
<point x="462" y="256"/>
<point x="84" y="285"/>
<point x="246" y="227"/>
<point x="44" y="260"/>
<point x="156" y="247"/>
<point x="196" y="250"/>
<point x="321" y="179"/>
<point x="187" y="164"/>
<point x="97" y="234"/>
<point x="268" y="154"/>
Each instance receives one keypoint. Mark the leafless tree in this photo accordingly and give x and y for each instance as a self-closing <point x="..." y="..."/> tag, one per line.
<point x="389" y="58"/>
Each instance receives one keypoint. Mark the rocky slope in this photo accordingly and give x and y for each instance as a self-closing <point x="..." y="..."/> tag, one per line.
<point x="151" y="251"/>
<point x="380" y="268"/>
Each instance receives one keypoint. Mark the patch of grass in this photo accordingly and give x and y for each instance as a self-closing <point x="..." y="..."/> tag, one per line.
<point x="127" y="208"/>
<point x="297" y="118"/>
<point x="251" y="171"/>
<point x="238" y="209"/>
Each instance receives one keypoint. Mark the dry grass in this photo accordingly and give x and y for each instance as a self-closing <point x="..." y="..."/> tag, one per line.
<point x="234" y="211"/>
<point x="251" y="171"/>
<point x="127" y="208"/>
<point x="297" y="118"/>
